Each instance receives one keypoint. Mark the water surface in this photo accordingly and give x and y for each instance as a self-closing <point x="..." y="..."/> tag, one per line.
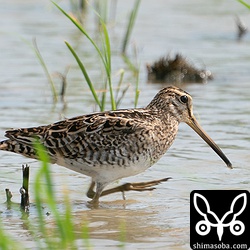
<point x="205" y="32"/>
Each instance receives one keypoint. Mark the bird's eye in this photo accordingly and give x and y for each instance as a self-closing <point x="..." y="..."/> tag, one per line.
<point x="184" y="99"/>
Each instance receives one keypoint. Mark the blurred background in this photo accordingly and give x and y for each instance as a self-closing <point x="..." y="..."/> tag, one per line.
<point x="205" y="33"/>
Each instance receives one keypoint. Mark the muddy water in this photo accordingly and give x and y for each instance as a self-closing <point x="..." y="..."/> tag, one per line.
<point x="204" y="32"/>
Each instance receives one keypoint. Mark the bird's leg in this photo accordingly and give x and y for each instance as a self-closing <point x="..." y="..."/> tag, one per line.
<point x="96" y="195"/>
<point x="91" y="192"/>
<point x="138" y="186"/>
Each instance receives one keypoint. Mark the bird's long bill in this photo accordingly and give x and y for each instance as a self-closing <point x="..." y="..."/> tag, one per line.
<point x="198" y="129"/>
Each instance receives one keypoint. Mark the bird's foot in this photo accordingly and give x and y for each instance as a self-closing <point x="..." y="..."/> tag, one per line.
<point x="141" y="186"/>
<point x="138" y="186"/>
<point x="94" y="203"/>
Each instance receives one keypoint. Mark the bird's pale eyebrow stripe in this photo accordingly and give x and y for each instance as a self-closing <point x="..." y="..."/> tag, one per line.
<point x="189" y="110"/>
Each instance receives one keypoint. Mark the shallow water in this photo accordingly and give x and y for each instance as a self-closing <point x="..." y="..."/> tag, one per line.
<point x="203" y="32"/>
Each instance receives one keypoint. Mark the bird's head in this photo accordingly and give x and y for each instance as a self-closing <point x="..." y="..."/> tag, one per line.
<point x="178" y="105"/>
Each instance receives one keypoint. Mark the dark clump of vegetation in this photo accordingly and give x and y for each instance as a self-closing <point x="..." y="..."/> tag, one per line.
<point x="176" y="70"/>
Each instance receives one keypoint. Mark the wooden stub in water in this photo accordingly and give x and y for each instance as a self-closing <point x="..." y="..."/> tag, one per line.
<point x="8" y="198"/>
<point x="8" y="195"/>
<point x="24" y="190"/>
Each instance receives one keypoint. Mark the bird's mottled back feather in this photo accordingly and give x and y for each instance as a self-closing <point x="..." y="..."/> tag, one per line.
<point x="93" y="137"/>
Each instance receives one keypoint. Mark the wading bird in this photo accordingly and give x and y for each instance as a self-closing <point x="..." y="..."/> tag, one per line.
<point x="110" y="145"/>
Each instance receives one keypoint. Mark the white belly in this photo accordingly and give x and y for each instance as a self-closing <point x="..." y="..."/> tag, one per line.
<point x="106" y="172"/>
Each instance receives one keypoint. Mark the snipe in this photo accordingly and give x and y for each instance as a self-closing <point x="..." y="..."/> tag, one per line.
<point x="111" y="145"/>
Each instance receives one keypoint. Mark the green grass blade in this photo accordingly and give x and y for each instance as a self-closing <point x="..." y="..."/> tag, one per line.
<point x="43" y="64"/>
<point x="107" y="65"/>
<point x="124" y="91"/>
<point x="105" y="56"/>
<point x="129" y="63"/>
<point x="85" y="74"/>
<point x="135" y="69"/>
<point x="104" y="95"/>
<point x="40" y="193"/>
<point x="6" y="242"/>
<point x="102" y="9"/>
<point x="79" y="26"/>
<point x="130" y="25"/>
<point x="121" y="73"/>
<point x="137" y="93"/>
<point x="244" y="3"/>
<point x="64" y="224"/>
<point x="68" y="224"/>
<point x="122" y="229"/>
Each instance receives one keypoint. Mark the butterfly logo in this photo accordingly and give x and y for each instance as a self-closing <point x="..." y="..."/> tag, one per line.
<point x="203" y="227"/>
